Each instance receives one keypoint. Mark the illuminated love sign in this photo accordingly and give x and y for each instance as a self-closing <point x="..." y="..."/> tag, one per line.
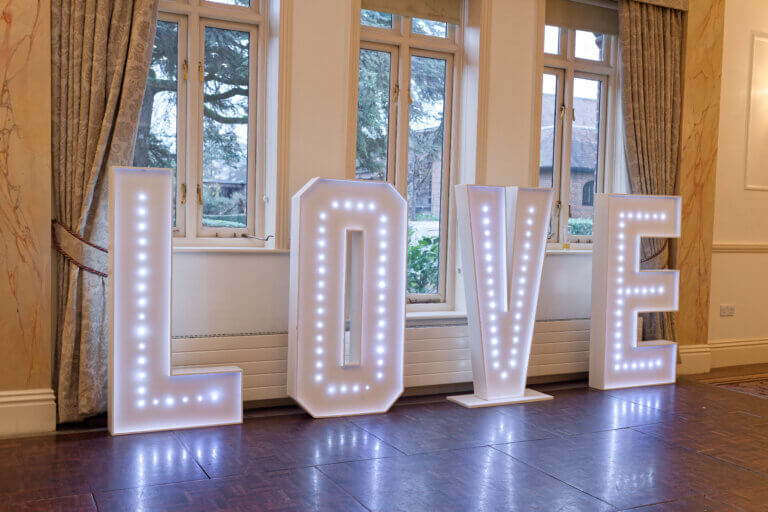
<point x="620" y="290"/>
<point x="347" y="303"/>
<point x="145" y="393"/>
<point x="503" y="236"/>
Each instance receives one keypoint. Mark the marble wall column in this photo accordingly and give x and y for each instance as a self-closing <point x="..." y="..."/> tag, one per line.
<point x="698" y="162"/>
<point x="25" y="213"/>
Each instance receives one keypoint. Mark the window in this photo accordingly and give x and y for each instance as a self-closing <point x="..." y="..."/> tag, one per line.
<point x="576" y="83"/>
<point x="198" y="117"/>
<point x="405" y="98"/>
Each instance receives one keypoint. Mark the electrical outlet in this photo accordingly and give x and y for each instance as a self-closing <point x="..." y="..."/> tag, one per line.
<point x="727" y="309"/>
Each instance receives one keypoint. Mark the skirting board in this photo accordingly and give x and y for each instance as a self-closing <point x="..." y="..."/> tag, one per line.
<point x="27" y="411"/>
<point x="473" y="401"/>
<point x="722" y="353"/>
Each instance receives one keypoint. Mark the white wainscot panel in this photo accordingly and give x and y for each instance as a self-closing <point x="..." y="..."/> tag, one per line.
<point x="566" y="284"/>
<point x="433" y="355"/>
<point x="226" y="293"/>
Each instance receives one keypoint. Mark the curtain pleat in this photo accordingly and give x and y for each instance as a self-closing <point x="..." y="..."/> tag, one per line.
<point x="100" y="55"/>
<point x="651" y="76"/>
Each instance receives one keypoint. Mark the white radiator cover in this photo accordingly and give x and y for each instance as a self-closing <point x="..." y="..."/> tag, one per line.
<point x="433" y="355"/>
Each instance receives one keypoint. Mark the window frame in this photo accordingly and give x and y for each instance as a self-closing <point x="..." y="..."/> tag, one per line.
<point x="252" y="187"/>
<point x="195" y="15"/>
<point x="394" y="66"/>
<point x="571" y="67"/>
<point x="557" y="150"/>
<point x="181" y="119"/>
<point x="401" y="39"/>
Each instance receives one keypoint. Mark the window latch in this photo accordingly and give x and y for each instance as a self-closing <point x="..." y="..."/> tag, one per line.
<point x="186" y="69"/>
<point x="265" y="238"/>
<point x="199" y="194"/>
<point x="396" y="93"/>
<point x="200" y="72"/>
<point x="573" y="115"/>
<point x="183" y="193"/>
<point x="562" y="112"/>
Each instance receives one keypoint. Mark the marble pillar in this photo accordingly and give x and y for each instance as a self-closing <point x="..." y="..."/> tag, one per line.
<point x="696" y="183"/>
<point x="25" y="200"/>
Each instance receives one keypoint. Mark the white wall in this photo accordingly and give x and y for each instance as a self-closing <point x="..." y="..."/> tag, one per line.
<point x="741" y="216"/>
<point x="236" y="293"/>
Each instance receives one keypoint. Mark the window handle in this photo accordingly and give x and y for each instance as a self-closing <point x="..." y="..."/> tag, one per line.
<point x="410" y="98"/>
<point x="200" y="72"/>
<point x="199" y="194"/>
<point x="265" y="238"/>
<point x="183" y="193"/>
<point x="396" y="93"/>
<point x="186" y="69"/>
<point x="562" y="113"/>
<point x="573" y="115"/>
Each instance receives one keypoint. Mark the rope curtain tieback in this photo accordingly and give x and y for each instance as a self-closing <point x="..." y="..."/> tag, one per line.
<point x="79" y="251"/>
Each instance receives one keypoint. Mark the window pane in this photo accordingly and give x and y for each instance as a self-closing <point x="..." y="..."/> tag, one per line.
<point x="373" y="115"/>
<point x="585" y="144"/>
<point x="245" y="3"/>
<point x="225" y="128"/>
<point x="425" y="173"/>
<point x="375" y="19"/>
<point x="589" y="45"/>
<point x="548" y="120"/>
<point x="157" y="132"/>
<point x="551" y="40"/>
<point x="429" y="27"/>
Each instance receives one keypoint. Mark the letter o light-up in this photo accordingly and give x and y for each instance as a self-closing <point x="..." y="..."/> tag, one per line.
<point x="145" y="393"/>
<point x="503" y="236"/>
<point x="620" y="290"/>
<point x="348" y="250"/>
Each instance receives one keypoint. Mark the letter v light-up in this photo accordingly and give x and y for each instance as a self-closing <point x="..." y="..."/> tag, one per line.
<point x="503" y="236"/>
<point x="145" y="393"/>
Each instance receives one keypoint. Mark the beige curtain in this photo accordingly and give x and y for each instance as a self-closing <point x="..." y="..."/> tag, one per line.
<point x="100" y="54"/>
<point x="651" y="77"/>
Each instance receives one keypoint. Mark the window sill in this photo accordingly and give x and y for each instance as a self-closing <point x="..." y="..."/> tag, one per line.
<point x="183" y="245"/>
<point x="435" y="318"/>
<point x="572" y="249"/>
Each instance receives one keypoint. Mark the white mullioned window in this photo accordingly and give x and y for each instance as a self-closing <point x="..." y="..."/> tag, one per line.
<point x="201" y="114"/>
<point x="579" y="87"/>
<point x="404" y="125"/>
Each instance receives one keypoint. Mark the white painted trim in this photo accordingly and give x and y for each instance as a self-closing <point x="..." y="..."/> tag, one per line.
<point x="27" y="411"/>
<point x="736" y="352"/>
<point x="694" y="359"/>
<point x="721" y="353"/>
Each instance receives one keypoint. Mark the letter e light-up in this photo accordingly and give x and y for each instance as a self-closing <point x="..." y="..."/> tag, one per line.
<point x="145" y="393"/>
<point x="620" y="290"/>
<point x="503" y="236"/>
<point x="347" y="298"/>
